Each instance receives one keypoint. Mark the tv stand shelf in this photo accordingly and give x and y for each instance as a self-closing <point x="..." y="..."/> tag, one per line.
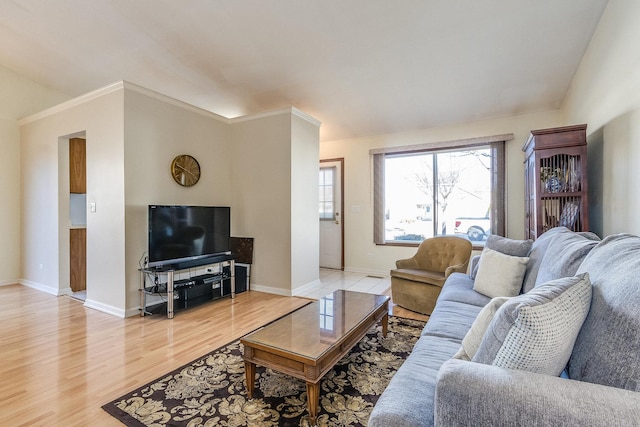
<point x="184" y="293"/>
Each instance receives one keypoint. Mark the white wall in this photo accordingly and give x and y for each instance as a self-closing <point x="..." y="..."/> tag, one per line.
<point x="275" y="158"/>
<point x="361" y="254"/>
<point x="20" y="97"/>
<point x="45" y="218"/>
<point x="155" y="131"/>
<point x="260" y="165"/>
<point x="605" y="94"/>
<point x="305" y="230"/>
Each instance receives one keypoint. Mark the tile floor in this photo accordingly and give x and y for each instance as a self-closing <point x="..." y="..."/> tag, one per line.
<point x="331" y="280"/>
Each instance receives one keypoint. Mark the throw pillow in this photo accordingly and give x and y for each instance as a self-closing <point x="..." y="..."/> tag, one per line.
<point x="564" y="255"/>
<point x="519" y="248"/>
<point x="536" y="254"/>
<point x="536" y="331"/>
<point x="508" y="246"/>
<point x="473" y="338"/>
<point x="499" y="275"/>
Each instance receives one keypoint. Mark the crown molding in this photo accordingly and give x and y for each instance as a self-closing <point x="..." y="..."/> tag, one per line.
<point x="114" y="87"/>
<point x="280" y="111"/>
<point x="72" y="103"/>
<point x="173" y="101"/>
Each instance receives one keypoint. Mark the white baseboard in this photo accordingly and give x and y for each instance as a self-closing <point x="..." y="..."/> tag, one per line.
<point x="39" y="287"/>
<point x="65" y="291"/>
<point x="306" y="289"/>
<point x="105" y="308"/>
<point x="270" y="290"/>
<point x="8" y="282"/>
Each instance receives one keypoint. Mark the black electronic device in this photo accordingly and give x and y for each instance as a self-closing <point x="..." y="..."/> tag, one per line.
<point x="183" y="234"/>
<point x="241" y="279"/>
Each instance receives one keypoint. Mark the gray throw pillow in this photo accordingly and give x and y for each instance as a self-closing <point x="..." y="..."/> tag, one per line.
<point x="536" y="331"/>
<point x="536" y="254"/>
<point x="504" y="245"/>
<point x="564" y="255"/>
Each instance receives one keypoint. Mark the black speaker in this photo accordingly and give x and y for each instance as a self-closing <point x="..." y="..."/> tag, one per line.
<point x="242" y="279"/>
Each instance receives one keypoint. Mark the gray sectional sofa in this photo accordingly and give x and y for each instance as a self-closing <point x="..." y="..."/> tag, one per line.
<point x="511" y="377"/>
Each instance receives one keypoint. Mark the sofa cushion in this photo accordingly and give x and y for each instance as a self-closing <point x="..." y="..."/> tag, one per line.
<point x="607" y="350"/>
<point x="536" y="254"/>
<point x="416" y="379"/>
<point x="536" y="331"/>
<point x="459" y="287"/>
<point x="474" y="335"/>
<point x="564" y="255"/>
<point x="451" y="320"/>
<point x="499" y="275"/>
<point x="519" y="248"/>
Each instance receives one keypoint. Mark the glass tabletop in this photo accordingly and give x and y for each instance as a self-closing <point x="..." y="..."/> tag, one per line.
<point x="311" y="330"/>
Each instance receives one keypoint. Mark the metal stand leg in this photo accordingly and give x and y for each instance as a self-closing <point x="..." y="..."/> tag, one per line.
<point x="232" y="267"/>
<point x="170" y="294"/>
<point x="143" y="294"/>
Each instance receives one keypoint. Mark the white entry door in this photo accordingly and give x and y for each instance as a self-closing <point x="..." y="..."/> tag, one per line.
<point x="331" y="221"/>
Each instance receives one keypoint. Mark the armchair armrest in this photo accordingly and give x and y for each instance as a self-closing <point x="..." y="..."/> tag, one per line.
<point x="458" y="268"/>
<point x="407" y="263"/>
<point x="470" y="393"/>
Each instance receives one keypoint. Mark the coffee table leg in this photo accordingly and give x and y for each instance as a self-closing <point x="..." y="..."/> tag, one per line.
<point x="385" y="325"/>
<point x="313" y="398"/>
<point x="250" y="372"/>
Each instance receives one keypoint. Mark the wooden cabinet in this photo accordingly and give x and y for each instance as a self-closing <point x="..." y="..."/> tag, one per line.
<point x="556" y="180"/>
<point x="78" y="257"/>
<point x="77" y="166"/>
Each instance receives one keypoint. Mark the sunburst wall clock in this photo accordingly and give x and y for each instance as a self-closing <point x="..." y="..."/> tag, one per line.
<point x="185" y="170"/>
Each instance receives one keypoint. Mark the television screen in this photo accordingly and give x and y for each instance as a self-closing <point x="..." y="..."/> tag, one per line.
<point x="185" y="233"/>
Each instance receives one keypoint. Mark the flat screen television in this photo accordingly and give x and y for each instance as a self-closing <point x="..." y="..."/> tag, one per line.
<point x="181" y="234"/>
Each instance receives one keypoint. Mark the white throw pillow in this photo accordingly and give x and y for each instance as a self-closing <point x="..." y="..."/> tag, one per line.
<point x="473" y="338"/>
<point x="500" y="275"/>
<point x="536" y="331"/>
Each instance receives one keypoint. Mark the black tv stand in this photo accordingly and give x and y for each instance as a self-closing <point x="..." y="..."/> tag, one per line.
<point x="184" y="293"/>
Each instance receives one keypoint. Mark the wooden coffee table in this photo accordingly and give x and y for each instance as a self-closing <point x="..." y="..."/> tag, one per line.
<point x="308" y="342"/>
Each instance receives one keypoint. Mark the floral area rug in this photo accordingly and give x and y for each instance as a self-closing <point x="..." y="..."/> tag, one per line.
<point x="211" y="391"/>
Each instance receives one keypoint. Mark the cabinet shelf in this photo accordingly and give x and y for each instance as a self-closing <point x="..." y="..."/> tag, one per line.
<point x="556" y="160"/>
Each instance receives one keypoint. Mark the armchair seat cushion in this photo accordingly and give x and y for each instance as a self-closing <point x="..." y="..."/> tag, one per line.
<point x="423" y="276"/>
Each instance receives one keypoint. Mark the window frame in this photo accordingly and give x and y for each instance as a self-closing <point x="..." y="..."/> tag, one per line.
<point x="497" y="143"/>
<point x="333" y="171"/>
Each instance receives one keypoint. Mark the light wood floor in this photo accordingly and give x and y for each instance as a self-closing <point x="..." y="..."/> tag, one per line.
<point x="60" y="362"/>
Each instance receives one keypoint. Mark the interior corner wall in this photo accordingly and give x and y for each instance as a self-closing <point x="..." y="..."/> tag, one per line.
<point x="20" y="97"/>
<point x="101" y="118"/>
<point x="361" y="254"/>
<point x="261" y="182"/>
<point x="155" y="132"/>
<point x="305" y="230"/>
<point x="605" y="94"/>
<point x="10" y="196"/>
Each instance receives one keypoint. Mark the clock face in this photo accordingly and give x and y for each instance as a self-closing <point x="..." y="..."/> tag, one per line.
<point x="185" y="170"/>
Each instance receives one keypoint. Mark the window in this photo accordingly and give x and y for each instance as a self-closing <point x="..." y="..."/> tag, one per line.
<point x="327" y="193"/>
<point x="439" y="189"/>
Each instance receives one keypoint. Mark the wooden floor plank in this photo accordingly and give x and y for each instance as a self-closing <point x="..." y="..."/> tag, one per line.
<point x="61" y="361"/>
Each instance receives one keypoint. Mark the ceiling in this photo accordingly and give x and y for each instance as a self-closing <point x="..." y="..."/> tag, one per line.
<point x="362" y="67"/>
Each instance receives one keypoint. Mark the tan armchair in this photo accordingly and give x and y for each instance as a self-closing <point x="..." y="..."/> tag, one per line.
<point x="417" y="281"/>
